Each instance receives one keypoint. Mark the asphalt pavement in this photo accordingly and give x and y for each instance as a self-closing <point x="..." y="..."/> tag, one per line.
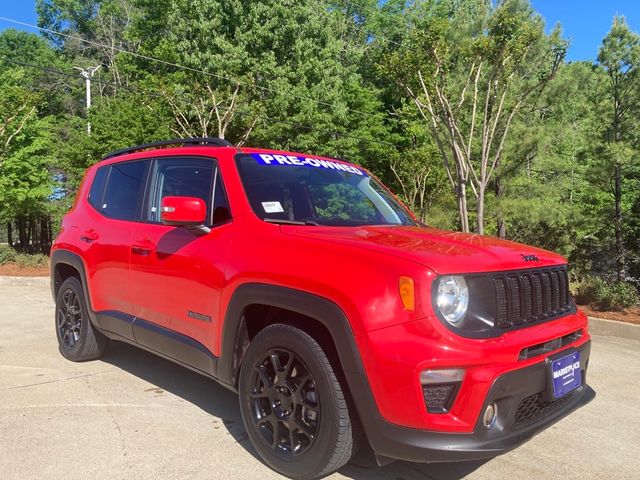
<point x="132" y="415"/>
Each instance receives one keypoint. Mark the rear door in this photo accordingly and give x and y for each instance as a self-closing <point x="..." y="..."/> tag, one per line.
<point x="116" y="199"/>
<point x="176" y="274"/>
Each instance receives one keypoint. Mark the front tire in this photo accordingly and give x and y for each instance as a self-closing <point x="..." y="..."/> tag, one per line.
<point x="78" y="340"/>
<point x="293" y="406"/>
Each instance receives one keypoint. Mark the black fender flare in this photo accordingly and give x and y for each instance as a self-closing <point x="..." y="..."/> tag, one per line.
<point x="74" y="260"/>
<point x="320" y="309"/>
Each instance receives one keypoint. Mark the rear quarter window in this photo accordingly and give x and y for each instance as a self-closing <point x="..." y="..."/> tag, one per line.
<point x="123" y="193"/>
<point x="97" y="187"/>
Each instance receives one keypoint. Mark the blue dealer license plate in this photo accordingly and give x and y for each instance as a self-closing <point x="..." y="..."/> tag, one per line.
<point x="566" y="374"/>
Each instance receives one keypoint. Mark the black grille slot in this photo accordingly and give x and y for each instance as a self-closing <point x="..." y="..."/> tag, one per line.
<point x="514" y="290"/>
<point x="537" y="296"/>
<point x="555" y="291"/>
<point x="531" y="296"/>
<point x="546" y="292"/>
<point x="564" y="287"/>
<point x="527" y="297"/>
<point x="501" y="303"/>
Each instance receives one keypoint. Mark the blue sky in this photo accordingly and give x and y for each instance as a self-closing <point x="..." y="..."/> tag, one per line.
<point x="584" y="22"/>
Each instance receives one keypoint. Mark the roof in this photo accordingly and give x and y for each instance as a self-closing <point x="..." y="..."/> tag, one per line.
<point x="209" y="142"/>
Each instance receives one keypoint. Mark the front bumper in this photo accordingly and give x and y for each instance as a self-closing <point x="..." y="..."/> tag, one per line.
<point x="522" y="409"/>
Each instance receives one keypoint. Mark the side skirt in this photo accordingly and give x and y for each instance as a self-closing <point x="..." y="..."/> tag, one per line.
<point x="161" y="341"/>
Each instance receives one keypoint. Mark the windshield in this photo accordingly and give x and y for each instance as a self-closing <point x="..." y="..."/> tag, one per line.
<point x="313" y="191"/>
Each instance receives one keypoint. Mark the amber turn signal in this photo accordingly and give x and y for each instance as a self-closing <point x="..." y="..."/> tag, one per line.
<point x="407" y="293"/>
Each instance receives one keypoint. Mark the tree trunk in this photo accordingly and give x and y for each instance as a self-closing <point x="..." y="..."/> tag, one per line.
<point x="31" y="234"/>
<point x="10" y="233"/>
<point x="23" y="239"/>
<point x="44" y="235"/>
<point x="480" y="211"/>
<point x="617" y="222"/>
<point x="501" y="227"/>
<point x="463" y="213"/>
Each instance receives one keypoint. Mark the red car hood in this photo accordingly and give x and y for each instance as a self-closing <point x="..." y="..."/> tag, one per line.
<point x="441" y="251"/>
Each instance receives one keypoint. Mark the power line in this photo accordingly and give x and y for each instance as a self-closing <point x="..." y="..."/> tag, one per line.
<point x="161" y="96"/>
<point x="67" y="74"/>
<point x="179" y="66"/>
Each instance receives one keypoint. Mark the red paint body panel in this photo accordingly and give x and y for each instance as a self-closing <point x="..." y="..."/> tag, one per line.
<point x="159" y="272"/>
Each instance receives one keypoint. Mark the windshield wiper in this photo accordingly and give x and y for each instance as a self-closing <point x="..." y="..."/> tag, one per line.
<point x="290" y="222"/>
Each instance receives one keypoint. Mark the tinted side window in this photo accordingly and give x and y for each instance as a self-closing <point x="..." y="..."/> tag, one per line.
<point x="124" y="190"/>
<point x="185" y="177"/>
<point x="97" y="187"/>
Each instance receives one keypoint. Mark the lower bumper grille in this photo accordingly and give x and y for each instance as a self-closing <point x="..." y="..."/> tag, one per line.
<point x="534" y="407"/>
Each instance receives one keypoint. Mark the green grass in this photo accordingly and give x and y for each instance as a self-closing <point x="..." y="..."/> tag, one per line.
<point x="34" y="260"/>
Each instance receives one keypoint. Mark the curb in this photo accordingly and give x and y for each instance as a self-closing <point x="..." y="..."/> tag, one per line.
<point x="612" y="328"/>
<point x="23" y="281"/>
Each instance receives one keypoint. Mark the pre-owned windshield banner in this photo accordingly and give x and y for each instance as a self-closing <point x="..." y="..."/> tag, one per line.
<point x="293" y="160"/>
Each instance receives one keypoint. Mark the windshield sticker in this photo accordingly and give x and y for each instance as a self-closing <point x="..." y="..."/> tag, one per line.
<point x="272" y="207"/>
<point x="293" y="160"/>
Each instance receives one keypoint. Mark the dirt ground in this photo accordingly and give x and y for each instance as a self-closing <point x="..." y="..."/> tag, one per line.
<point x="13" y="270"/>
<point x="630" y="315"/>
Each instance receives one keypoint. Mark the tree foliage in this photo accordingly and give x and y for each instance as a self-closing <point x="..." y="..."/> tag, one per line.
<point x="469" y="73"/>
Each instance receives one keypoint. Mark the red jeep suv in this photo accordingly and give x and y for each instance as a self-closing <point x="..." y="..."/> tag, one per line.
<point x="302" y="283"/>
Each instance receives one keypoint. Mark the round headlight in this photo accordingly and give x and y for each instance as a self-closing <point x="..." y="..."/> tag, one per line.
<point x="453" y="298"/>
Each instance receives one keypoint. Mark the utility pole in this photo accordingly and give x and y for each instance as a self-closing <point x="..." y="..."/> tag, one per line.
<point x="87" y="74"/>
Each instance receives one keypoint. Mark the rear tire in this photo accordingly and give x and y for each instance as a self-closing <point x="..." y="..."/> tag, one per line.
<point x="78" y="340"/>
<point x="294" y="408"/>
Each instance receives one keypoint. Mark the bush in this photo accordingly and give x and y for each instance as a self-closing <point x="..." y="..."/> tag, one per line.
<point x="603" y="295"/>
<point x="7" y="254"/>
<point x="36" y="260"/>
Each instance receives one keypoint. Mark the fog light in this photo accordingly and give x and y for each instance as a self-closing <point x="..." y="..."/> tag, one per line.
<point x="490" y="415"/>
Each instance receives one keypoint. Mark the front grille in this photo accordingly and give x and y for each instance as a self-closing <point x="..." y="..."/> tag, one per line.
<point x="530" y="296"/>
<point x="534" y="407"/>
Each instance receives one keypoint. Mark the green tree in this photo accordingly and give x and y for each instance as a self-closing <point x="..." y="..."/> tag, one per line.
<point x="470" y="69"/>
<point x="117" y="122"/>
<point x="620" y="57"/>
<point x="545" y="166"/>
<point x="277" y="72"/>
<point x="18" y="106"/>
<point x="103" y="24"/>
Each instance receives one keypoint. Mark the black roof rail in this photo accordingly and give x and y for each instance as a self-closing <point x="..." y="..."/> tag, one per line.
<point x="203" y="141"/>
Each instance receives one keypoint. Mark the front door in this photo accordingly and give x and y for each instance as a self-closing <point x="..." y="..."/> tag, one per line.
<point x="176" y="274"/>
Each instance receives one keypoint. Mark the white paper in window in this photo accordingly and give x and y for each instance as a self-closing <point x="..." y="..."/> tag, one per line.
<point x="272" y="207"/>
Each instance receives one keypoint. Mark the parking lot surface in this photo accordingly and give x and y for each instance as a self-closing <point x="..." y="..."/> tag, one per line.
<point x="134" y="415"/>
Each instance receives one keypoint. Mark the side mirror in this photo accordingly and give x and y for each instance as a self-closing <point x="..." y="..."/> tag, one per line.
<point x="188" y="212"/>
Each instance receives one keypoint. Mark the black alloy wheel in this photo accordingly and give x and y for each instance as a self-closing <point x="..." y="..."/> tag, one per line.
<point x="78" y="339"/>
<point x="294" y="407"/>
<point x="286" y="407"/>
<point x="69" y="319"/>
